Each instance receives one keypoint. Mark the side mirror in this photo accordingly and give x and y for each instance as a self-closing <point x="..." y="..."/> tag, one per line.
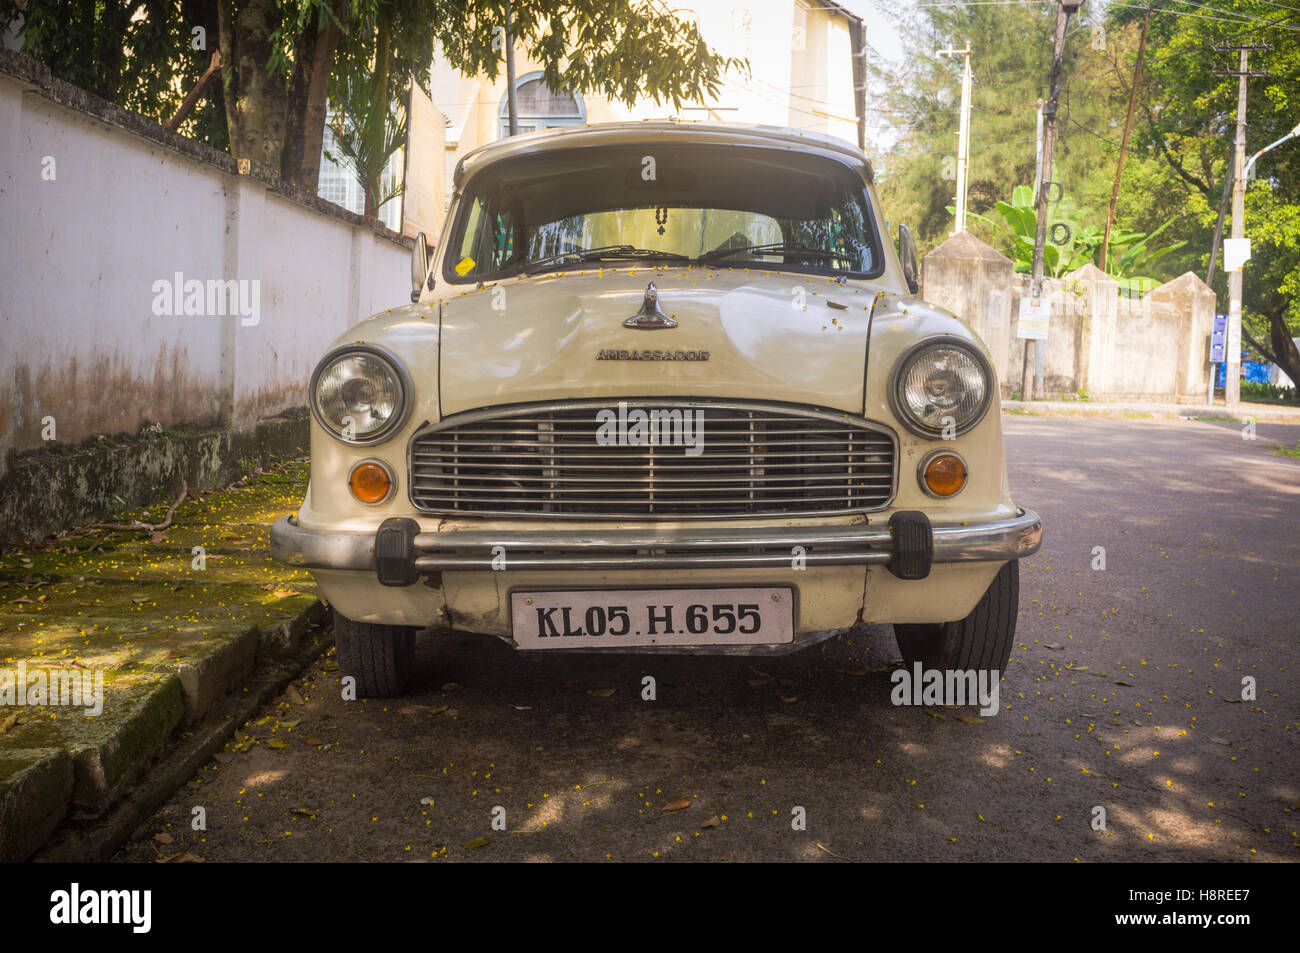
<point x="419" y="265"/>
<point x="907" y="256"/>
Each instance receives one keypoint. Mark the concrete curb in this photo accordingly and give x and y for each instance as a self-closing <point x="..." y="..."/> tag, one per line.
<point x="87" y="784"/>
<point x="1070" y="408"/>
<point x="95" y="840"/>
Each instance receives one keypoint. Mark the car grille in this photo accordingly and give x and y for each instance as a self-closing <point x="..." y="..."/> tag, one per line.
<point x="756" y="460"/>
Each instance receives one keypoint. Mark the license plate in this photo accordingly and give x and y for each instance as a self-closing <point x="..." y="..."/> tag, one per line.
<point x="605" y="618"/>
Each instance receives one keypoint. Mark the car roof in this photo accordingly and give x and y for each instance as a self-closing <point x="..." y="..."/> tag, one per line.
<point x="654" y="132"/>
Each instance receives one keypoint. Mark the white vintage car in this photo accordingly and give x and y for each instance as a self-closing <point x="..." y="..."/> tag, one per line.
<point x="663" y="387"/>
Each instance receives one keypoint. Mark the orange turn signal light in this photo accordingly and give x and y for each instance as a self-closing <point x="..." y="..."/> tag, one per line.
<point x="945" y="474"/>
<point x="370" y="482"/>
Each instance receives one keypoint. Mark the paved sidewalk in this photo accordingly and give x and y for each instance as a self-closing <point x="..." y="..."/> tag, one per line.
<point x="171" y="621"/>
<point x="1277" y="413"/>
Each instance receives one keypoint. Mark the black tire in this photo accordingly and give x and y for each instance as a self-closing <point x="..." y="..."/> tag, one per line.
<point x="380" y="657"/>
<point x="980" y="642"/>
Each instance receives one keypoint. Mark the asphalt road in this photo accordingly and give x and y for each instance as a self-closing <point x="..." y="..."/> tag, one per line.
<point x="1124" y="693"/>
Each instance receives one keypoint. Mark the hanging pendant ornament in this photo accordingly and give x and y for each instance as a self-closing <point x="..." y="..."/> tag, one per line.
<point x="661" y="217"/>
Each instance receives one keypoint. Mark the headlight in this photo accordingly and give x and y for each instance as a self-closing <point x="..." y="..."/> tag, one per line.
<point x="941" y="388"/>
<point x="360" y="393"/>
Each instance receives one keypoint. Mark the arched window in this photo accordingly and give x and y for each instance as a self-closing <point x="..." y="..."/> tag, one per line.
<point x="539" y="108"/>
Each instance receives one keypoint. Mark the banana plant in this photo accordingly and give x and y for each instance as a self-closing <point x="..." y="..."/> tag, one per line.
<point x="1070" y="245"/>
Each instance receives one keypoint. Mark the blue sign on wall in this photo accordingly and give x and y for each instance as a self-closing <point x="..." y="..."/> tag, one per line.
<point x="1219" y="338"/>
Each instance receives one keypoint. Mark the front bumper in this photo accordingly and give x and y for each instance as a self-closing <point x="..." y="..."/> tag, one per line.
<point x="400" y="553"/>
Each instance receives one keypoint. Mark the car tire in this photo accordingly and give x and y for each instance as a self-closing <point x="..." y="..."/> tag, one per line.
<point x="980" y="642"/>
<point x="380" y="657"/>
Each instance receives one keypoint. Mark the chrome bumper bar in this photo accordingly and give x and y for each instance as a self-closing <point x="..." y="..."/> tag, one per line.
<point x="407" y="553"/>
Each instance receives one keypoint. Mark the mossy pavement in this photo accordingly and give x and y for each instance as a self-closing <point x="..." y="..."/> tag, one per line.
<point x="173" y="619"/>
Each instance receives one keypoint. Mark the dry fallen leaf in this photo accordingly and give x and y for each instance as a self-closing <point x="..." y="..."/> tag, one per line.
<point x="451" y="687"/>
<point x="276" y="743"/>
<point x="1221" y="741"/>
<point x="757" y="682"/>
<point x="304" y="811"/>
<point x="1115" y="721"/>
<point x="1057" y="646"/>
<point x="293" y="695"/>
<point x="861" y="670"/>
<point x="789" y="698"/>
<point x="714" y="821"/>
<point x="182" y="858"/>
<point x="478" y="842"/>
<point x="935" y="714"/>
<point x="313" y="740"/>
<point x="680" y="804"/>
<point x="970" y="719"/>
<point x="1125" y="684"/>
<point x="164" y="838"/>
<point x="7" y="722"/>
<point x="600" y="692"/>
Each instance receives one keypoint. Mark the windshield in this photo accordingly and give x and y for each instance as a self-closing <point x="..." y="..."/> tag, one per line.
<point x="728" y="206"/>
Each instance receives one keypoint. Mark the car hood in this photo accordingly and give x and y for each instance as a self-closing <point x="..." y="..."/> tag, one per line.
<point x="774" y="335"/>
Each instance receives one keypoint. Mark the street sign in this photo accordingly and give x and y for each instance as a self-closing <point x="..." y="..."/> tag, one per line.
<point x="1034" y="316"/>
<point x="1218" y="338"/>
<point x="1236" y="252"/>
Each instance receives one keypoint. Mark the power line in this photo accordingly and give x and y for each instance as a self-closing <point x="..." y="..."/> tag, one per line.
<point x="1279" y="22"/>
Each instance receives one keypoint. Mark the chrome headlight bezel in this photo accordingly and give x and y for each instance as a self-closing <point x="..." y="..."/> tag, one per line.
<point x="904" y="362"/>
<point x="405" y="390"/>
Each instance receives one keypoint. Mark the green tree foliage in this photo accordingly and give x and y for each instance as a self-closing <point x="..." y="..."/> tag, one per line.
<point x="1188" y="126"/>
<point x="142" y="55"/>
<point x="1011" y="58"/>
<point x="1178" y="154"/>
<point x="281" y="58"/>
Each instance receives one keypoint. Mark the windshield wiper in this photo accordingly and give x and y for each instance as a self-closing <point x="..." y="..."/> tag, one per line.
<point x="789" y="249"/>
<point x="604" y="253"/>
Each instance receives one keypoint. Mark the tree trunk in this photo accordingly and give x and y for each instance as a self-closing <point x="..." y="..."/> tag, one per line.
<point x="377" y="118"/>
<point x="256" y="101"/>
<point x="1283" y="351"/>
<point x="307" y="103"/>
<point x="1285" y="354"/>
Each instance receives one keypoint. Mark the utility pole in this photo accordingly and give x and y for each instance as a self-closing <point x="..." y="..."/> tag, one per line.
<point x="1223" y="211"/>
<point x="511" y="105"/>
<point x="1063" y="10"/>
<point x="1232" y="343"/>
<point x="1123" y="144"/>
<point x="1038" y="152"/>
<point x="963" y="138"/>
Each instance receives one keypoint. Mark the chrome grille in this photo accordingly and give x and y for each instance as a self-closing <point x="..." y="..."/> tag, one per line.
<point x="756" y="460"/>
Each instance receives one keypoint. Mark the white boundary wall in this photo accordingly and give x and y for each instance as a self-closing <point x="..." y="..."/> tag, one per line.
<point x="98" y="207"/>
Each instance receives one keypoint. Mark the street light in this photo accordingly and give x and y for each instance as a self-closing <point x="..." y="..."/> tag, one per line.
<point x="1250" y="166"/>
<point x="1232" y="349"/>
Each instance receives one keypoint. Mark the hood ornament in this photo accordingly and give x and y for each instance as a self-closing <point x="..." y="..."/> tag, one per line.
<point x="650" y="316"/>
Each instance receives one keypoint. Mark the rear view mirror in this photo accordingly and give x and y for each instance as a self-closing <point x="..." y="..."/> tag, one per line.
<point x="907" y="256"/>
<point x="419" y="265"/>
